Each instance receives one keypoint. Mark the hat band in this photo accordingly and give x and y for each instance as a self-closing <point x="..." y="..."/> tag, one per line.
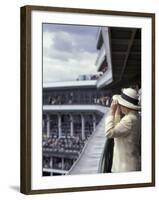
<point x="129" y="99"/>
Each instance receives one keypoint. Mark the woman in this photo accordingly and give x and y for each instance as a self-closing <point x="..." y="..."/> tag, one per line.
<point x="123" y="123"/>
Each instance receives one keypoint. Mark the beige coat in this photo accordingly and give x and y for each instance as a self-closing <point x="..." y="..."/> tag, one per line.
<point x="126" y="133"/>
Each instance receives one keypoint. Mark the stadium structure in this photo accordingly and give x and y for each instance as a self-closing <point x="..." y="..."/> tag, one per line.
<point x="74" y="111"/>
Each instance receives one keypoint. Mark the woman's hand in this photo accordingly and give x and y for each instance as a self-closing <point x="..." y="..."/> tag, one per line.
<point x="114" y="106"/>
<point x="118" y="111"/>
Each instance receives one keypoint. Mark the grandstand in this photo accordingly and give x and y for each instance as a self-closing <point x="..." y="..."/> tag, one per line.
<point x="74" y="111"/>
<point x="68" y="125"/>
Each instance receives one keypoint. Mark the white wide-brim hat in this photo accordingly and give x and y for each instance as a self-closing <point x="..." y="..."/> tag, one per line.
<point x="128" y="98"/>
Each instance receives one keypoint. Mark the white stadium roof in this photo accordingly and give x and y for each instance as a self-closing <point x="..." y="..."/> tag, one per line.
<point x="65" y="84"/>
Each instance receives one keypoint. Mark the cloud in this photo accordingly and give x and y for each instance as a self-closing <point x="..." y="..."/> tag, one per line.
<point x="72" y="29"/>
<point x="61" y="70"/>
<point x="67" y="54"/>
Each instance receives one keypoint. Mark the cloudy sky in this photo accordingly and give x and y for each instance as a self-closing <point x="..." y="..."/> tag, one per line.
<point x="68" y="51"/>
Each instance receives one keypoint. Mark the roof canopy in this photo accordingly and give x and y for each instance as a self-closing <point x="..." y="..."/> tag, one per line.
<point x="125" y="47"/>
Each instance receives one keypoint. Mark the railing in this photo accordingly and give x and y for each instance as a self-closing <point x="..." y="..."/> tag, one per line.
<point x="105" y="79"/>
<point x="55" y="171"/>
<point x="106" y="160"/>
<point x="74" y="108"/>
<point x="95" y="101"/>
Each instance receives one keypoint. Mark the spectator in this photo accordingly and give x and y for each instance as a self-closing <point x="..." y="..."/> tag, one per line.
<point x="125" y="131"/>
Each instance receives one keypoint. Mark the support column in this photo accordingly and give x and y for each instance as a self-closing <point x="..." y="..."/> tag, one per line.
<point x="51" y="164"/>
<point x="59" y="126"/>
<point x="90" y="97"/>
<point x="71" y="125"/>
<point x="94" y="122"/>
<point x="48" y="125"/>
<point x="83" y="127"/>
<point x="63" y="165"/>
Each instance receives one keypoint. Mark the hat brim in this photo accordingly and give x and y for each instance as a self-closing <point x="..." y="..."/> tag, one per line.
<point x="125" y="103"/>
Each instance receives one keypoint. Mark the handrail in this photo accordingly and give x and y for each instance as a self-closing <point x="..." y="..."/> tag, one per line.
<point x="105" y="163"/>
